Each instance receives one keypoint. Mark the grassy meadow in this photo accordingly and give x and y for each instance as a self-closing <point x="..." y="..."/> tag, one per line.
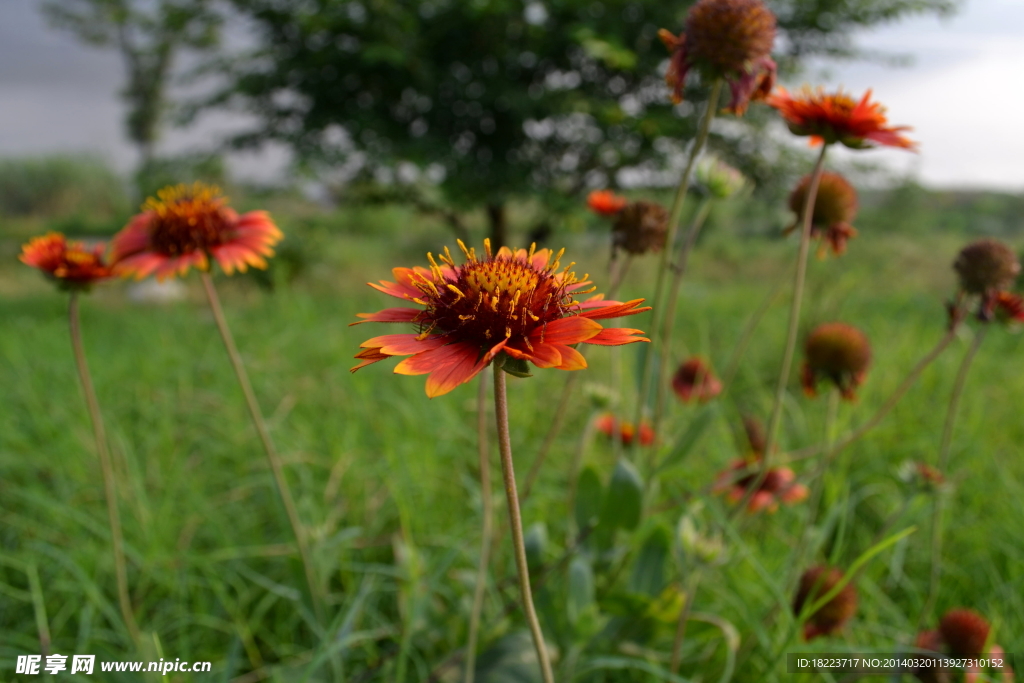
<point x="386" y="479"/>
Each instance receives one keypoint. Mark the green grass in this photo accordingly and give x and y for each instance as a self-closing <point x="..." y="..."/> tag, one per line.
<point x="386" y="479"/>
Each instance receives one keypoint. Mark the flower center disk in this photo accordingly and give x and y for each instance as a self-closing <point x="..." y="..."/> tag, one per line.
<point x="188" y="219"/>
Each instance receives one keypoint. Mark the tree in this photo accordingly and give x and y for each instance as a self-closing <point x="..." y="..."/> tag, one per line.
<point x="497" y="98"/>
<point x="149" y="35"/>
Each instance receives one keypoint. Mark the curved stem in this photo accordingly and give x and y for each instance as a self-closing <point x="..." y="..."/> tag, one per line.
<point x="276" y="466"/>
<point x="684" y="616"/>
<point x="485" y="531"/>
<point x="106" y="467"/>
<point x="669" y="314"/>
<point x="516" y="522"/>
<point x="794" y="327"/>
<point x="675" y="213"/>
<point x="935" y="575"/>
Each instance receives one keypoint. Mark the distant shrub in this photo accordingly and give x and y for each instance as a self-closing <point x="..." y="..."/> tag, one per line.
<point x="61" y="186"/>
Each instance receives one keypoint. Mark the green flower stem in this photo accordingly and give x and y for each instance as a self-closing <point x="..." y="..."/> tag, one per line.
<point x="485" y="529"/>
<point x="675" y="213"/>
<point x="684" y="616"/>
<point x="273" y="459"/>
<point x="106" y="467"/>
<point x="938" y="505"/>
<point x="799" y="281"/>
<point x="516" y="522"/>
<point x="561" y="411"/>
<point x="669" y="316"/>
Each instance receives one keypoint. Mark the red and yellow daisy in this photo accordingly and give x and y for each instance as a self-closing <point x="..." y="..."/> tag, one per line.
<point x="70" y="264"/>
<point x="521" y="304"/>
<point x="837" y="117"/>
<point x="605" y="202"/>
<point x="605" y="424"/>
<point x="185" y="226"/>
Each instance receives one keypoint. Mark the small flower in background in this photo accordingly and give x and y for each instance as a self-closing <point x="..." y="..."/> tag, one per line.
<point x="605" y="202"/>
<point x="778" y="486"/>
<point x="185" y="226"/>
<point x="987" y="269"/>
<point x="70" y="264"/>
<point x="830" y="618"/>
<point x="921" y="475"/>
<point x="834" y="208"/>
<point x="696" y="381"/>
<point x="961" y="633"/>
<point x="839" y="353"/>
<point x="836" y="117"/>
<point x="717" y="178"/>
<point x="521" y="304"/>
<point x="727" y="39"/>
<point x="627" y="432"/>
<point x="641" y="227"/>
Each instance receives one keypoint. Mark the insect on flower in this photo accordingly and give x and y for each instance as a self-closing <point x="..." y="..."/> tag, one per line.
<point x="837" y="117"/>
<point x="521" y="304"/>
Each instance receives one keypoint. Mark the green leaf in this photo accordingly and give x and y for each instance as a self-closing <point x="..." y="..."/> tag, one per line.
<point x="581" y="589"/>
<point x="536" y="542"/>
<point x="648" y="575"/>
<point x="510" y="660"/>
<point x="624" y="504"/>
<point x="691" y="437"/>
<point x="516" y="367"/>
<point x="589" y="495"/>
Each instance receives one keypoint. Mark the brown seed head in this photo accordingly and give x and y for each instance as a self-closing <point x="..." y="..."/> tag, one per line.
<point x="695" y="380"/>
<point x="729" y="35"/>
<point x="831" y="616"/>
<point x="641" y="227"/>
<point x="837" y="352"/>
<point x="965" y="631"/>
<point x="836" y="201"/>
<point x="986" y="266"/>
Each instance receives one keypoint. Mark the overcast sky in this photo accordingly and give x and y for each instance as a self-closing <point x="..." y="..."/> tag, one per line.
<point x="962" y="94"/>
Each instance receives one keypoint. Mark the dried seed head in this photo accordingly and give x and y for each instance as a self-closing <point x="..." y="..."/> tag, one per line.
<point x="986" y="266"/>
<point x="831" y="616"/>
<point x="641" y="227"/>
<point x="839" y="353"/>
<point x="696" y="381"/>
<point x="729" y="35"/>
<point x="835" y="207"/>
<point x="964" y="631"/>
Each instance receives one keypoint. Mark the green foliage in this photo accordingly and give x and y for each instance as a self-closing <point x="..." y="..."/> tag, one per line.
<point x="504" y="98"/>
<point x="73" y="189"/>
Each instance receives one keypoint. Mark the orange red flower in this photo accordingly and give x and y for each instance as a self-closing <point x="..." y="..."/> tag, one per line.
<point x="521" y="304"/>
<point x="728" y="39"/>
<point x="71" y="264"/>
<point x="696" y="381"/>
<point x="837" y="117"/>
<point x="779" y="486"/>
<point x="605" y="202"/>
<point x="605" y="424"/>
<point x="962" y="633"/>
<point x="185" y="226"/>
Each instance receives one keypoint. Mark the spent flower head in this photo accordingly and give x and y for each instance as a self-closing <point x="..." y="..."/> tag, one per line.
<point x="837" y="117"/>
<point x="830" y="618"/>
<point x="834" y="207"/>
<point x="696" y="381"/>
<point x="516" y="306"/>
<point x="641" y="227"/>
<point x="987" y="268"/>
<point x="961" y="633"/>
<point x="779" y="485"/>
<point x="70" y="264"/>
<point x="727" y="39"/>
<point x="838" y="353"/>
<point x="186" y="226"/>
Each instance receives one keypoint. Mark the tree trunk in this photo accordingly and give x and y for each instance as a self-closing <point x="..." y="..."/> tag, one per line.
<point x="499" y="226"/>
